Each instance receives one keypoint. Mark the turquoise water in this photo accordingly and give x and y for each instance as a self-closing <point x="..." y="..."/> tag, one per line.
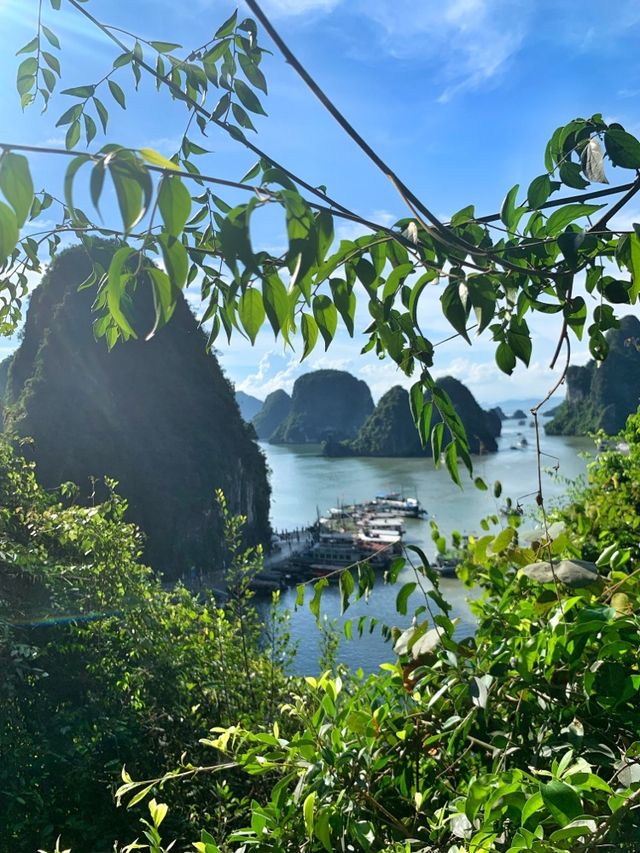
<point x="305" y="483"/>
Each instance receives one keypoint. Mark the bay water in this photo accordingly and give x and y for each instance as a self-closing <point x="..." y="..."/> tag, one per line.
<point x="305" y="484"/>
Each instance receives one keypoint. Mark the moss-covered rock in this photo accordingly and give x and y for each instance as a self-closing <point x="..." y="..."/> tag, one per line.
<point x="602" y="396"/>
<point x="325" y="404"/>
<point x="390" y="430"/>
<point x="159" y="416"/>
<point x="275" y="409"/>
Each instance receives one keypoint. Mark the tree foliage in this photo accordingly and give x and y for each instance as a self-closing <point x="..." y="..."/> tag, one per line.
<point x="494" y="271"/>
<point x="102" y="668"/>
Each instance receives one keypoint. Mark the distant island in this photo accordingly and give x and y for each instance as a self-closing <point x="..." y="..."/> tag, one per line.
<point x="274" y="411"/>
<point x="249" y="406"/>
<point x="158" y="416"/>
<point x="602" y="395"/>
<point x="390" y="431"/>
<point x="325" y="404"/>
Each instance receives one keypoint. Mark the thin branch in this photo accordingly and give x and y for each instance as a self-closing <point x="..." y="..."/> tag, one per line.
<point x="232" y="131"/>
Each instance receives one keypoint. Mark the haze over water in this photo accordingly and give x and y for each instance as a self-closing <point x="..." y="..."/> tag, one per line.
<point x="303" y="483"/>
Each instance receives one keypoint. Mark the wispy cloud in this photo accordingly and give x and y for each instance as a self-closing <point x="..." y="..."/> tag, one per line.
<point x="468" y="42"/>
<point x="298" y="7"/>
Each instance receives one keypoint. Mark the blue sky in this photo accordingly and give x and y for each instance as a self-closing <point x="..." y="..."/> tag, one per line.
<point x="459" y="96"/>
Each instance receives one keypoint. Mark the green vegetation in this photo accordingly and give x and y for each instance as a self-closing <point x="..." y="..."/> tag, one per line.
<point x="521" y="737"/>
<point x="390" y="430"/>
<point x="103" y="668"/>
<point x="158" y="416"/>
<point x="324" y="404"/>
<point x="492" y="276"/>
<point x="602" y="396"/>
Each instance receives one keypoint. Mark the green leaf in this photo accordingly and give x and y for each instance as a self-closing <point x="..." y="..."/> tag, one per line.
<point x="9" y="232"/>
<point x="16" y="184"/>
<point x="539" y="191"/>
<point x="164" y="46"/>
<point x="347" y="586"/>
<point x="345" y="301"/>
<point x="252" y="72"/>
<point x="314" y="604"/>
<point x="129" y="192"/>
<point x="508" y="209"/>
<point x="562" y="217"/>
<point x="531" y="806"/>
<point x="307" y="810"/>
<point x="164" y="300"/>
<point x="174" y="201"/>
<point x="300" y="594"/>
<point x="248" y="98"/>
<point x="154" y="158"/>
<point x="73" y="135"/>
<point x="52" y="38"/>
<point x="326" y="316"/>
<point x="79" y="91"/>
<point x="103" y="115"/>
<point x="451" y="461"/>
<point x="403" y="596"/>
<point x="505" y="358"/>
<point x="69" y="177"/>
<point x="29" y="47"/>
<point x="175" y="259"/>
<point x="116" y="284"/>
<point x="309" y="334"/>
<point x="622" y="148"/>
<point x="562" y="801"/>
<point x="570" y="174"/>
<point x="634" y="262"/>
<point x="251" y="311"/>
<point x="453" y="309"/>
<point x="228" y="27"/>
<point x="118" y="94"/>
<point x="437" y="434"/>
<point x="276" y="303"/>
<point x="51" y="61"/>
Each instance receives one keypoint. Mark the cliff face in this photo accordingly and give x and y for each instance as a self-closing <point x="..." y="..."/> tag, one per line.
<point x="158" y="416"/>
<point x="275" y="409"/>
<point x="325" y="404"/>
<point x="602" y="397"/>
<point x="249" y="406"/>
<point x="390" y="430"/>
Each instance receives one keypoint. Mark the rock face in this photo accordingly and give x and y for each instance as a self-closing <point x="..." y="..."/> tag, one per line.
<point x="249" y="406"/>
<point x="390" y="430"/>
<point x="325" y="404"/>
<point x="602" y="397"/>
<point x="519" y="415"/>
<point x="159" y="416"/>
<point x="275" y="409"/>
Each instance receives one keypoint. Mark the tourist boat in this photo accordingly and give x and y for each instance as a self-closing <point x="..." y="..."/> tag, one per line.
<point x="396" y="503"/>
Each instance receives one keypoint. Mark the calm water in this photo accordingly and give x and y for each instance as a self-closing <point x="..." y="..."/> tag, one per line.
<point x="303" y="483"/>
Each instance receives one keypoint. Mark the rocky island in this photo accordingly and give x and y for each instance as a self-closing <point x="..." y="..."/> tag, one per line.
<point x="325" y="405"/>
<point x="390" y="430"/>
<point x="274" y="411"/>
<point x="158" y="416"/>
<point x="602" y="395"/>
